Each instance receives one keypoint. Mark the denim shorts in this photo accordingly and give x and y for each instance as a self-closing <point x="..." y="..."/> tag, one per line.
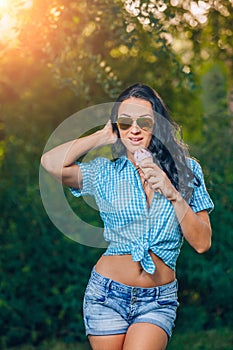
<point x="111" y="307"/>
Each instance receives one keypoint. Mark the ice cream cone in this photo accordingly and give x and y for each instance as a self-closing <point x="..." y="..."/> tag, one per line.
<point x="142" y="155"/>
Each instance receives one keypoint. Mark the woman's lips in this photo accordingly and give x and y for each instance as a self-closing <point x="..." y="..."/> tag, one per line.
<point x="136" y="140"/>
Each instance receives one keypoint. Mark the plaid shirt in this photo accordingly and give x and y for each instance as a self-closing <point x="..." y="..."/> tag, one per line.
<point x="130" y="226"/>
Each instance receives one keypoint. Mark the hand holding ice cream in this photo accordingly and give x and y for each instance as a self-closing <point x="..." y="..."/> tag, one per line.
<point x="154" y="175"/>
<point x="142" y="154"/>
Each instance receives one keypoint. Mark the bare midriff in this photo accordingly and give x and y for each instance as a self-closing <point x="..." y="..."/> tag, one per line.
<point x="123" y="269"/>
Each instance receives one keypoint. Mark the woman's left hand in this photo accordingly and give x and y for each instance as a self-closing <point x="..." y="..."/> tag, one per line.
<point x="195" y="226"/>
<point x="158" y="180"/>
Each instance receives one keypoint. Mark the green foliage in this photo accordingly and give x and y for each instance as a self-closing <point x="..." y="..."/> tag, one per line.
<point x="42" y="273"/>
<point x="206" y="280"/>
<point x="84" y="55"/>
<point x="208" y="340"/>
<point x="55" y="345"/>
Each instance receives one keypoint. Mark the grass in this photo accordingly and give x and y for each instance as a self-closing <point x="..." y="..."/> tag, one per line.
<point x="216" y="339"/>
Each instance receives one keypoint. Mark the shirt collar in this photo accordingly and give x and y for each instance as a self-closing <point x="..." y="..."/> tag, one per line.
<point x="122" y="162"/>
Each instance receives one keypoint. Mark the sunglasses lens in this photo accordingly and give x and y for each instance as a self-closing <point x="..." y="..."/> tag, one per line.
<point x="145" y="123"/>
<point x="125" y="123"/>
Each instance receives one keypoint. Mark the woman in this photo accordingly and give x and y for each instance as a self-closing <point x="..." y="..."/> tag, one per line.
<point x="131" y="298"/>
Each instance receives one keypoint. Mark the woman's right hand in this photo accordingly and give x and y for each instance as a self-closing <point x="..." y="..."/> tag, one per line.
<point x="107" y="134"/>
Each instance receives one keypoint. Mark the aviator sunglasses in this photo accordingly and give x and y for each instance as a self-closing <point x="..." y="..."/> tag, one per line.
<point x="144" y="122"/>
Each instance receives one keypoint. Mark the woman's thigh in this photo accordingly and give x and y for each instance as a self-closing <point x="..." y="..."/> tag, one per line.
<point x="140" y="336"/>
<point x="107" y="342"/>
<point x="145" y="336"/>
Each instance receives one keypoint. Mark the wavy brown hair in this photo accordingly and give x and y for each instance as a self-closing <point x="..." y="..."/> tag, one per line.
<point x="169" y="152"/>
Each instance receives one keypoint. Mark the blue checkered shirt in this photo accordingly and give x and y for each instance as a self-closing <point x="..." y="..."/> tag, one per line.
<point x="130" y="226"/>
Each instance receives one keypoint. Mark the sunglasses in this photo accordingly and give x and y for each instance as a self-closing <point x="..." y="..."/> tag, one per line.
<point x="145" y="123"/>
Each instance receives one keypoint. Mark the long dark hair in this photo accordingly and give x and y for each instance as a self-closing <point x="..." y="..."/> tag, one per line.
<point x="168" y="152"/>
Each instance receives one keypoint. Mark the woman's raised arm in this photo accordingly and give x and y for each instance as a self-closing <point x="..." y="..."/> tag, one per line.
<point x="60" y="161"/>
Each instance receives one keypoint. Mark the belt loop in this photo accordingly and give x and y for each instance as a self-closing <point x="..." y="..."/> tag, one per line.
<point x="157" y="292"/>
<point x="108" y="286"/>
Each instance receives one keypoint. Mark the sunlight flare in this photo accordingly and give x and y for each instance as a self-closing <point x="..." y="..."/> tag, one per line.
<point x="10" y="19"/>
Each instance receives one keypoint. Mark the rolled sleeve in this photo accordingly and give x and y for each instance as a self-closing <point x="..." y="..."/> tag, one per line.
<point x="200" y="199"/>
<point x="89" y="172"/>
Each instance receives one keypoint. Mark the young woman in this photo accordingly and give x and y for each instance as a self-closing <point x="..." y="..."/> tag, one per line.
<point x="131" y="299"/>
